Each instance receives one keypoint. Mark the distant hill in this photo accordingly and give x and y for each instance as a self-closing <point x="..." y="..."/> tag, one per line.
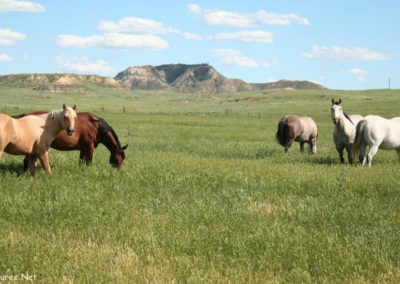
<point x="196" y="78"/>
<point x="288" y="84"/>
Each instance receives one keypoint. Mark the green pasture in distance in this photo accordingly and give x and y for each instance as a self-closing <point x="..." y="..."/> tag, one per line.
<point x="205" y="194"/>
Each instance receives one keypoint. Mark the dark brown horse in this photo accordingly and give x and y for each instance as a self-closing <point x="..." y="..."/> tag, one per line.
<point x="301" y="129"/>
<point x="90" y="130"/>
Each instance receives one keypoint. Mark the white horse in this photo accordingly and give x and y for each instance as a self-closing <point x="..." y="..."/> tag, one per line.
<point x="376" y="132"/>
<point x="344" y="131"/>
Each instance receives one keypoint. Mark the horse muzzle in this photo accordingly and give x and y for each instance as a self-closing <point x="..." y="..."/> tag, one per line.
<point x="70" y="131"/>
<point x="335" y="120"/>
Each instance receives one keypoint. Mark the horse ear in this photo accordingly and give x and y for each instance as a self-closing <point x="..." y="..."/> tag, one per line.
<point x="74" y="107"/>
<point x="333" y="101"/>
<point x="124" y="148"/>
<point x="340" y="101"/>
<point x="64" y="106"/>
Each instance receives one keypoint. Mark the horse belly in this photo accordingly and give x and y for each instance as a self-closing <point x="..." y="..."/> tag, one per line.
<point x="18" y="150"/>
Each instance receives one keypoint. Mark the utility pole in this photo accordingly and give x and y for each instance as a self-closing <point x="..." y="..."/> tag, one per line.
<point x="389" y="83"/>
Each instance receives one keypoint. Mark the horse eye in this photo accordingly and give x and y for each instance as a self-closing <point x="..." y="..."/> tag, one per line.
<point x="65" y="118"/>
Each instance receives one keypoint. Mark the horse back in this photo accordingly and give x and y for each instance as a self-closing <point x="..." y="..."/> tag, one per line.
<point x="309" y="127"/>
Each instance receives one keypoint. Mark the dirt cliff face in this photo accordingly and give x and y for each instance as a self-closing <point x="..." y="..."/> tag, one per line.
<point x="196" y="78"/>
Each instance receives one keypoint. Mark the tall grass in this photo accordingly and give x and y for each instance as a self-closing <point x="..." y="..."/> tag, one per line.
<point x="205" y="195"/>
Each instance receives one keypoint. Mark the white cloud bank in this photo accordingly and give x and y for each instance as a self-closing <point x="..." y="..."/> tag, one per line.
<point x="10" y="37"/>
<point x="82" y="64"/>
<point x="135" y="25"/>
<point x="5" y="57"/>
<point x="345" y="53"/>
<point x="233" y="57"/>
<point x="20" y="6"/>
<point x="114" y="40"/>
<point x="245" y="20"/>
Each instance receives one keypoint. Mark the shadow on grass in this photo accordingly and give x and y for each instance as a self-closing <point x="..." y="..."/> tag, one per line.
<point x="13" y="168"/>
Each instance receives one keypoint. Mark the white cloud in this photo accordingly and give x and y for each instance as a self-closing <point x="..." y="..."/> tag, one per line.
<point x="235" y="58"/>
<point x="20" y="6"/>
<point x="356" y="71"/>
<point x="83" y="64"/>
<point x="345" y="53"/>
<point x="5" y="57"/>
<point x="359" y="73"/>
<point x="234" y="19"/>
<point x="135" y="25"/>
<point x="9" y="37"/>
<point x="247" y="36"/>
<point x="114" y="40"/>
<point x="192" y="36"/>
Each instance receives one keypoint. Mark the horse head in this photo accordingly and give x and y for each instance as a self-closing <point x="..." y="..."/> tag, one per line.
<point x="336" y="111"/>
<point x="69" y="119"/>
<point x="117" y="157"/>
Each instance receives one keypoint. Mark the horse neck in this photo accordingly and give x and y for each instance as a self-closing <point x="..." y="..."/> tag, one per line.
<point x="107" y="136"/>
<point x="53" y="123"/>
<point x="345" y="123"/>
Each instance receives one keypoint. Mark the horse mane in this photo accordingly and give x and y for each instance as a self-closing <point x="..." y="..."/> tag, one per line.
<point x="105" y="127"/>
<point x="348" y="117"/>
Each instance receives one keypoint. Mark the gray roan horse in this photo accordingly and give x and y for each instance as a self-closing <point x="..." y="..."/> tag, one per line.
<point x="344" y="131"/>
<point x="300" y="129"/>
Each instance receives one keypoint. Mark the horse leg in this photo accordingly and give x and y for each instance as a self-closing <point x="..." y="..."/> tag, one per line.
<point x="32" y="164"/>
<point x="372" y="153"/>
<point x="339" y="149"/>
<point x="302" y="147"/>
<point x="398" y="153"/>
<point x="349" y="154"/>
<point x="44" y="160"/>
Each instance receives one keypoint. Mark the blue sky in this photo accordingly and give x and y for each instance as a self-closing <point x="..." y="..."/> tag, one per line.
<point x="342" y="44"/>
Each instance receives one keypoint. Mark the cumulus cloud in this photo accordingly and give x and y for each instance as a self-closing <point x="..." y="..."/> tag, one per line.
<point x="345" y="53"/>
<point x="246" y="20"/>
<point x="20" y="6"/>
<point x="9" y="37"/>
<point x="5" y="57"/>
<point x="234" y="57"/>
<point x="82" y="64"/>
<point x="114" y="40"/>
<point x="135" y="25"/>
<point x="247" y="36"/>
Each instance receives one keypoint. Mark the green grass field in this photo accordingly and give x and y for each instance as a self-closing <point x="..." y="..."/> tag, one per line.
<point x="206" y="194"/>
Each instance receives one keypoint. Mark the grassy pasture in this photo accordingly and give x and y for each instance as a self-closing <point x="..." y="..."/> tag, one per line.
<point x="205" y="195"/>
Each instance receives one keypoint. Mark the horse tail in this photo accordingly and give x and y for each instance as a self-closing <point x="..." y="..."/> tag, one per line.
<point x="359" y="137"/>
<point x="281" y="134"/>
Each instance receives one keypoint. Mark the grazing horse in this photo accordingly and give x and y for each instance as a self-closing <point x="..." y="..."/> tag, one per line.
<point x="90" y="130"/>
<point x="301" y="129"/>
<point x="32" y="134"/>
<point x="344" y="131"/>
<point x="376" y="132"/>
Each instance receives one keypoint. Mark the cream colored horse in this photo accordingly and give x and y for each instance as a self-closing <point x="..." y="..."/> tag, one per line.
<point x="377" y="133"/>
<point x="32" y="135"/>
<point x="344" y="131"/>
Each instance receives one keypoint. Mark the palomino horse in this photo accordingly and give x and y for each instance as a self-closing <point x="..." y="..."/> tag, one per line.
<point x="376" y="132"/>
<point x="301" y="129"/>
<point x="32" y="135"/>
<point x="90" y="130"/>
<point x="344" y="130"/>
